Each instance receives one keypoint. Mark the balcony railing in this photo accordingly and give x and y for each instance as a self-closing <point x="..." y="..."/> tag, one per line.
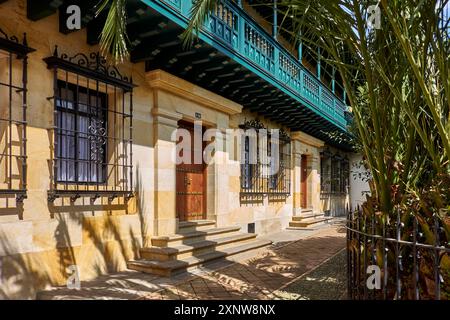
<point x="243" y="39"/>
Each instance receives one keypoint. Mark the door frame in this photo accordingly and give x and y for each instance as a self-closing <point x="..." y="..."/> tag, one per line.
<point x="190" y="126"/>
<point x="304" y="181"/>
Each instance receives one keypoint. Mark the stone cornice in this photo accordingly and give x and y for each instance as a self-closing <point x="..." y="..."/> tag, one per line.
<point x="158" y="112"/>
<point x="161" y="80"/>
<point x="307" y="139"/>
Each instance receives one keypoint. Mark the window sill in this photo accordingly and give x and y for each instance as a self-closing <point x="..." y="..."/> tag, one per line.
<point x="52" y="195"/>
<point x="20" y="194"/>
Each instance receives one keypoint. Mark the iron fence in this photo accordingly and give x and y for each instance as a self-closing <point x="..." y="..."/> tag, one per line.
<point x="410" y="251"/>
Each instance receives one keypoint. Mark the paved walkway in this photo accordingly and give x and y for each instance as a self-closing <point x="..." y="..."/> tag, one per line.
<point x="264" y="274"/>
<point x="326" y="282"/>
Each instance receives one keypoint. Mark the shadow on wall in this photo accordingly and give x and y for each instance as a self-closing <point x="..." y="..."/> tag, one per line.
<point x="257" y="199"/>
<point x="334" y="205"/>
<point x="95" y="244"/>
<point x="10" y="207"/>
<point x="17" y="279"/>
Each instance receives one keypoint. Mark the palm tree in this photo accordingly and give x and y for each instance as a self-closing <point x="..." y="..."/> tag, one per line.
<point x="113" y="39"/>
<point x="397" y="82"/>
<point x="404" y="70"/>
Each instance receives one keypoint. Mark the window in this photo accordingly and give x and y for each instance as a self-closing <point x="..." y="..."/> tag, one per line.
<point x="339" y="176"/>
<point x="273" y="173"/>
<point x="345" y="179"/>
<point x="246" y="166"/>
<point x="92" y="152"/>
<point x="335" y="174"/>
<point x="280" y="178"/>
<point x="265" y="162"/>
<point x="81" y="134"/>
<point x="13" y="117"/>
<point x="325" y="173"/>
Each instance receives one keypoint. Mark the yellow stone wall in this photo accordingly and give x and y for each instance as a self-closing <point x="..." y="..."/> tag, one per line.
<point x="305" y="144"/>
<point x="268" y="215"/>
<point x="175" y="100"/>
<point x="40" y="240"/>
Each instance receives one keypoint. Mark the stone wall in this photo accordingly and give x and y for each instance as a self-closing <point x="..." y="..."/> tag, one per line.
<point x="40" y="240"/>
<point x="268" y="215"/>
<point x="359" y="187"/>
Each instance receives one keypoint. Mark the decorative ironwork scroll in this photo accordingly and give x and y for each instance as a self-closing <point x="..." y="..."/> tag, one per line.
<point x="93" y="128"/>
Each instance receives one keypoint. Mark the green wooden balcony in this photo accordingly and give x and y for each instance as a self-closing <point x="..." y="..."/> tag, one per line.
<point x="235" y="57"/>
<point x="235" y="33"/>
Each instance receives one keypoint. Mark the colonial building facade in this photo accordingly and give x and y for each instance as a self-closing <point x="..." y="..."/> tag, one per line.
<point x="89" y="183"/>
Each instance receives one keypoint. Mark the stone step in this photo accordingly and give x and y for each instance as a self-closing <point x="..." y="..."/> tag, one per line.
<point x="308" y="222"/>
<point x="168" y="268"/>
<point x="195" y="249"/>
<point x="199" y="225"/>
<point x="306" y="211"/>
<point x="310" y="228"/>
<point x="192" y="236"/>
<point x="307" y="216"/>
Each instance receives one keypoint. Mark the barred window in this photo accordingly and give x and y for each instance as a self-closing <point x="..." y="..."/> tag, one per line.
<point x="340" y="172"/>
<point x="92" y="151"/>
<point x="280" y="178"/>
<point x="345" y="178"/>
<point x="273" y="172"/>
<point x="325" y="172"/>
<point x="80" y="134"/>
<point x="335" y="175"/>
<point x="264" y="173"/>
<point x="13" y="117"/>
<point x="247" y="167"/>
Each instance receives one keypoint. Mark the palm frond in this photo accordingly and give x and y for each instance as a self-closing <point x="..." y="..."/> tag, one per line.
<point x="201" y="9"/>
<point x="113" y="39"/>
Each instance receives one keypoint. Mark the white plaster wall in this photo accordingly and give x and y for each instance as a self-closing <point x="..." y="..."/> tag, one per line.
<point x="358" y="187"/>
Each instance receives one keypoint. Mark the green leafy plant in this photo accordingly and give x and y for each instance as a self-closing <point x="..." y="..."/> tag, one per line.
<point x="397" y="82"/>
<point x="114" y="40"/>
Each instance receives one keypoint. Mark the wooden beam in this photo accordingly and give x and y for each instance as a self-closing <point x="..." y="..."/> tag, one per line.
<point x="37" y="10"/>
<point x="146" y="49"/>
<point x="95" y="27"/>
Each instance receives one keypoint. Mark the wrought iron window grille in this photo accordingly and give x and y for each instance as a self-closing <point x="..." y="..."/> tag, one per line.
<point x="334" y="174"/>
<point x="92" y="152"/>
<point x="325" y="173"/>
<point x="13" y="115"/>
<point x="260" y="179"/>
<point x="345" y="176"/>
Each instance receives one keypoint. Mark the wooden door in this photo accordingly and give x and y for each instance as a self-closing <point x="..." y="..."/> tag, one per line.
<point x="190" y="184"/>
<point x="303" y="182"/>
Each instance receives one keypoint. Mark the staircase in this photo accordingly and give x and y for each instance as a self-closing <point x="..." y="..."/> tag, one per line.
<point x="196" y="243"/>
<point x="308" y="220"/>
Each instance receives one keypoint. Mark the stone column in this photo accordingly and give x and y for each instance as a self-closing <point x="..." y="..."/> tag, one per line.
<point x="296" y="176"/>
<point x="219" y="182"/>
<point x="314" y="182"/>
<point x="310" y="147"/>
<point x="164" y="124"/>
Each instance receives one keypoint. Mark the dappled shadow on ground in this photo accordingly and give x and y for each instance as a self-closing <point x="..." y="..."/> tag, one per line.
<point x="258" y="277"/>
<point x="96" y="243"/>
<point x="326" y="282"/>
